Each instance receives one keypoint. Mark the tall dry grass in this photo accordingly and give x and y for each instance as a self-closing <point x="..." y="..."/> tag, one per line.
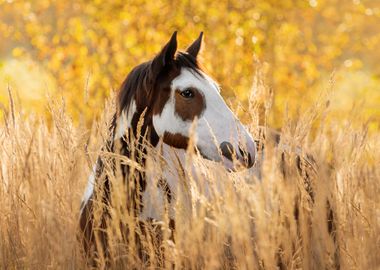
<point x="243" y="223"/>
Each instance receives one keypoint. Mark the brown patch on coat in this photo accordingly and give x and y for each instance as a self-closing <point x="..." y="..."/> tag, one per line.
<point x="86" y="225"/>
<point x="89" y="232"/>
<point x="163" y="90"/>
<point x="189" y="108"/>
<point x="176" y="140"/>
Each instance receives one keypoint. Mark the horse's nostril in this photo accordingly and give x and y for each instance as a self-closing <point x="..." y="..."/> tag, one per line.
<point x="227" y="150"/>
<point x="247" y="158"/>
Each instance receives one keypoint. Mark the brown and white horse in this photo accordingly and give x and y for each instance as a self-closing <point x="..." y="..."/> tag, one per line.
<point x="176" y="99"/>
<point x="163" y="103"/>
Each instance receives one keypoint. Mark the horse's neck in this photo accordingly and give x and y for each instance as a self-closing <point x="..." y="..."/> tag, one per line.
<point x="170" y="177"/>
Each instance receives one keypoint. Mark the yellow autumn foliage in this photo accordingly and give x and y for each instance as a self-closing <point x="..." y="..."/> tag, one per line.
<point x="89" y="47"/>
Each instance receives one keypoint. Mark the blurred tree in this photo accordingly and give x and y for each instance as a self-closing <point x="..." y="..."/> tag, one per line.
<point x="89" y="46"/>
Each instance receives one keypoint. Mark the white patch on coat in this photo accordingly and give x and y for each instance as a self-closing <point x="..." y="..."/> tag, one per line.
<point x="89" y="189"/>
<point x="154" y="199"/>
<point x="215" y="125"/>
<point x="188" y="188"/>
<point x="181" y="188"/>
<point x="125" y="121"/>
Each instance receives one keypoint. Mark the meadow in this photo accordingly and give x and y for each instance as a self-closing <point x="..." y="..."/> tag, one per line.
<point x="44" y="169"/>
<point x="308" y="69"/>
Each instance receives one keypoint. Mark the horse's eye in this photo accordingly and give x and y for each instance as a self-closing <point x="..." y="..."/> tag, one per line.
<point x="187" y="93"/>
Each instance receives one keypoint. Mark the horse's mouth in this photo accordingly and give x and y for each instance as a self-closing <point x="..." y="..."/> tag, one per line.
<point x="231" y="164"/>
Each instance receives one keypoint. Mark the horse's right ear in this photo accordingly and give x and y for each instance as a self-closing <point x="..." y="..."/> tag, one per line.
<point x="196" y="46"/>
<point x="165" y="57"/>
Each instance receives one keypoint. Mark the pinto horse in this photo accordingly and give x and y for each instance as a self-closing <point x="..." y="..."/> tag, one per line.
<point x="173" y="95"/>
<point x="164" y="103"/>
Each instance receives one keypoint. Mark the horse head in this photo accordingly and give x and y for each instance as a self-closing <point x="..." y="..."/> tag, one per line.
<point x="179" y="100"/>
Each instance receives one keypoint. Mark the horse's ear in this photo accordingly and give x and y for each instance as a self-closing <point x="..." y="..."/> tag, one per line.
<point x="196" y="46"/>
<point x="166" y="56"/>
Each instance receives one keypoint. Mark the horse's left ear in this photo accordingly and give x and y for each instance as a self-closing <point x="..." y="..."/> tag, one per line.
<point x="196" y="46"/>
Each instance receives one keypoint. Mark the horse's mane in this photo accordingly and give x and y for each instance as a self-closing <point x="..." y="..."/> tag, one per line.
<point x="137" y="83"/>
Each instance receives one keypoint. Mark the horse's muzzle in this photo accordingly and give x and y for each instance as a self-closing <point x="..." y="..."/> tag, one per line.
<point x="244" y="157"/>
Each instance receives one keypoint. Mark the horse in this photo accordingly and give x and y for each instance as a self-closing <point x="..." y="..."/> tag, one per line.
<point x="162" y="102"/>
<point x="171" y="103"/>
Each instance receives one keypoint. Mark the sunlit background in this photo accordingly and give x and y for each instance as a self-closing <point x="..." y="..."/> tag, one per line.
<point x="82" y="50"/>
<point x="308" y="67"/>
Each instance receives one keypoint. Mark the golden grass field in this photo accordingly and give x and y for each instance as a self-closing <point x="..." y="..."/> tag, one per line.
<point x="44" y="169"/>
<point x="60" y="64"/>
